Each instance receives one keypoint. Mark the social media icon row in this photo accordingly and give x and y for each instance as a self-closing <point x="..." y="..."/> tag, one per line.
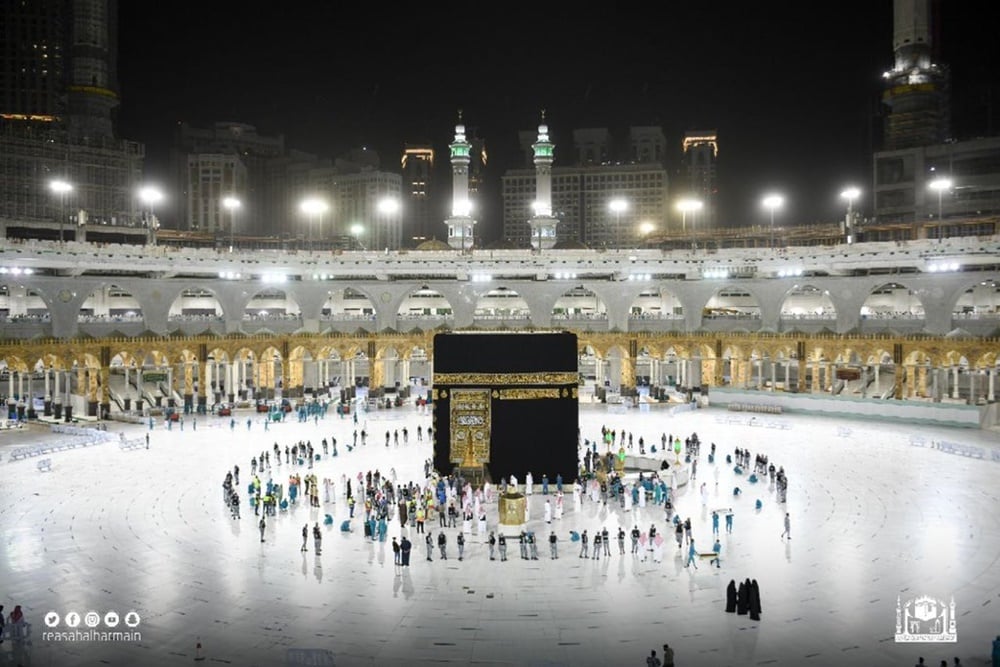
<point x="92" y="619"/>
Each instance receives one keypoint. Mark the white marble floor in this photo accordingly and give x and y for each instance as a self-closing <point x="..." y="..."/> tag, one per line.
<point x="874" y="518"/>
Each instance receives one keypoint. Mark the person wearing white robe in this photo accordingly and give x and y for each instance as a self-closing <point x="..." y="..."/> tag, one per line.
<point x="548" y="511"/>
<point x="577" y="493"/>
<point x="467" y="522"/>
<point x="658" y="548"/>
<point x="488" y="492"/>
<point x="513" y="484"/>
<point x="595" y="491"/>
<point x="642" y="496"/>
<point x="559" y="504"/>
<point x="628" y="498"/>
<point x="529" y="484"/>
<point x="482" y="523"/>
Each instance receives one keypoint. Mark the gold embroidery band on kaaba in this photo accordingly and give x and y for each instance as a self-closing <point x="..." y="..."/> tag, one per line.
<point x="529" y="394"/>
<point x="495" y="379"/>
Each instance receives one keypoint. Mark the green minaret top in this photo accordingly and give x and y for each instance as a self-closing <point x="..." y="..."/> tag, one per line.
<point x="543" y="147"/>
<point x="460" y="147"/>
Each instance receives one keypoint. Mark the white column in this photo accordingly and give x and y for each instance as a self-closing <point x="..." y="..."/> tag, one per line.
<point x="20" y="384"/>
<point x="10" y="384"/>
<point x="48" y="396"/>
<point x="989" y="390"/>
<point x="877" y="366"/>
<point x="774" y="376"/>
<point x="56" y="395"/>
<point x="954" y="389"/>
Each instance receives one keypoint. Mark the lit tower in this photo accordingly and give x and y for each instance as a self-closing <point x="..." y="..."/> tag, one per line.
<point x="916" y="92"/>
<point x="542" y="222"/>
<point x="461" y="226"/>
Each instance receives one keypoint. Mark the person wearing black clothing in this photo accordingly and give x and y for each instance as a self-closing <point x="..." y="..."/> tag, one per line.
<point x="754" y="601"/>
<point x="731" y="597"/>
<point x="404" y="550"/>
<point x="443" y="545"/>
<point x="503" y="547"/>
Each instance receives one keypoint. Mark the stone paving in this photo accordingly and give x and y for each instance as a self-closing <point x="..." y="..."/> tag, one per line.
<point x="879" y="514"/>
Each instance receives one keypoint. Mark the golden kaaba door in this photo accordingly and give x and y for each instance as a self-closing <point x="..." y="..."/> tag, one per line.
<point x="470" y="427"/>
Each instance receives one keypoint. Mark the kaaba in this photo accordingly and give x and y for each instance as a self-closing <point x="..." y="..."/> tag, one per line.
<point x="507" y="402"/>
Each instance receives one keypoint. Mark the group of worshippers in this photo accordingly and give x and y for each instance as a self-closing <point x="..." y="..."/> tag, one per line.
<point x="744" y="599"/>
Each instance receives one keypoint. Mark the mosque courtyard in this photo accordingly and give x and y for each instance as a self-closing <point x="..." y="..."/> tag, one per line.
<point x="880" y="515"/>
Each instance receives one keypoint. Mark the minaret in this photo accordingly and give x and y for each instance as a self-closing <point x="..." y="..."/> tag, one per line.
<point x="461" y="226"/>
<point x="543" y="223"/>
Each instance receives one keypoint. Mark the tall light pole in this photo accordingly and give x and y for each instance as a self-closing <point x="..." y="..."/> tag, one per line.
<point x="62" y="189"/>
<point x="850" y="194"/>
<point x="314" y="208"/>
<point x="387" y="207"/>
<point x="232" y="204"/>
<point x="618" y="206"/>
<point x="151" y="196"/>
<point x="773" y="203"/>
<point x="356" y="231"/>
<point x="940" y="186"/>
<point x="686" y="206"/>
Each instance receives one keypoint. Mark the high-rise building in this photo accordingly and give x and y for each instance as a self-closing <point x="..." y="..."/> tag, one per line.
<point x="418" y="180"/>
<point x="631" y="171"/>
<point x="592" y="146"/>
<point x="58" y="91"/>
<point x="646" y="145"/>
<point x="701" y="152"/>
<point x="211" y="177"/>
<point x="916" y="88"/>
<point x="581" y="201"/>
<point x="33" y="47"/>
<point x="241" y="143"/>
<point x="925" y="175"/>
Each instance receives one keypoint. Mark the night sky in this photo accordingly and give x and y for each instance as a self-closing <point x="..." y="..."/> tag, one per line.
<point x="791" y="87"/>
